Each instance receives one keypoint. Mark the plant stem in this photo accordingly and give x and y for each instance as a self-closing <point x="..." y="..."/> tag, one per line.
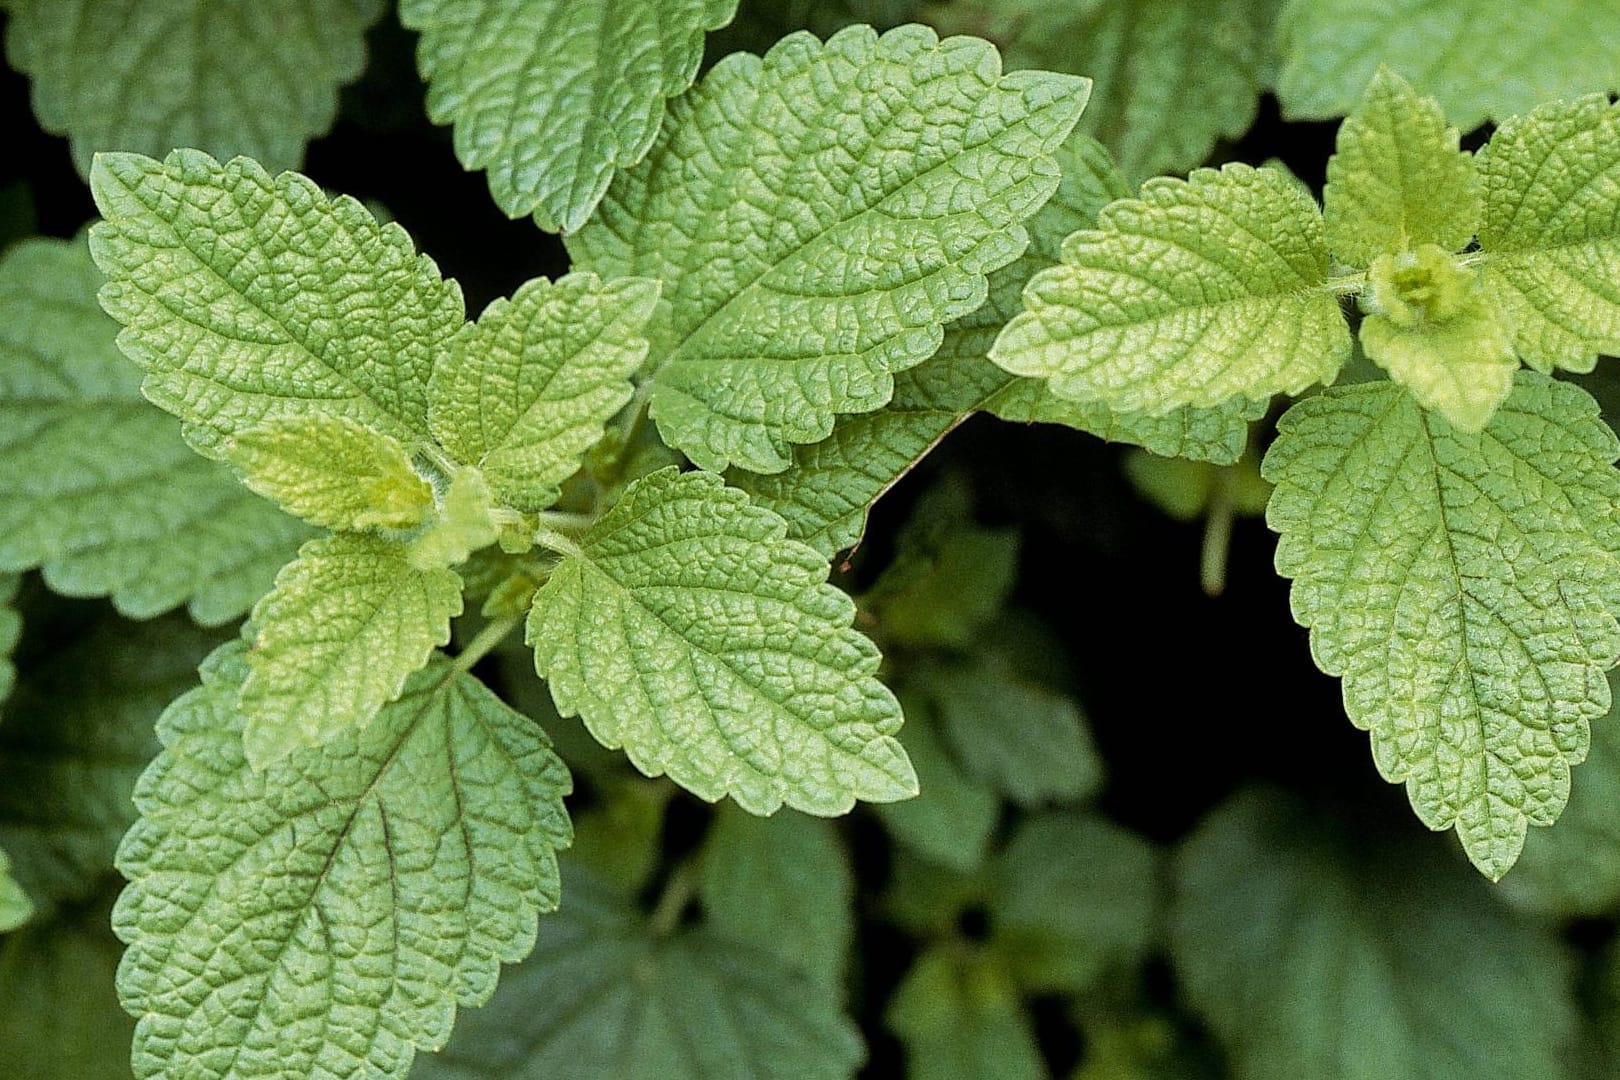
<point x="485" y="641"/>
<point x="1217" y="537"/>
<point x="678" y="892"/>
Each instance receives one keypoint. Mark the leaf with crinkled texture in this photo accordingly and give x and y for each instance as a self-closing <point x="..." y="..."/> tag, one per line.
<point x="1463" y="586"/>
<point x="784" y="886"/>
<point x="1076" y="899"/>
<point x="1481" y="58"/>
<point x="337" y="638"/>
<point x="96" y="486"/>
<point x="552" y="96"/>
<point x="331" y="913"/>
<point x="246" y="298"/>
<point x="258" y="79"/>
<point x="1366" y="952"/>
<point x="1172" y="76"/>
<point x="333" y="472"/>
<point x="1551" y="232"/>
<point x="1573" y="870"/>
<point x="59" y="1002"/>
<point x="686" y="628"/>
<point x="1398" y="178"/>
<point x="950" y="820"/>
<point x="528" y="388"/>
<point x="604" y="997"/>
<point x="832" y="484"/>
<point x="78" y="734"/>
<point x="1461" y="367"/>
<point x="958" y="1014"/>
<point x="773" y="207"/>
<point x="1194" y="293"/>
<point x="10" y="631"/>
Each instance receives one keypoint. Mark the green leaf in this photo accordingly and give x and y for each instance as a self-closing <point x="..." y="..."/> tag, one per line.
<point x="552" y="96"/>
<point x="15" y="906"/>
<point x="847" y="153"/>
<point x="528" y="388"/>
<point x="149" y="75"/>
<point x="10" y="632"/>
<point x="331" y="912"/>
<point x="61" y="1010"/>
<point x="1481" y="58"/>
<point x="784" y="886"/>
<point x="1462" y="584"/>
<point x="336" y="640"/>
<point x="950" y="820"/>
<point x="604" y="997"/>
<point x="1076" y="900"/>
<point x="1398" y="179"/>
<point x="1197" y="292"/>
<point x="1173" y="76"/>
<point x="248" y="298"/>
<point x="688" y="629"/>
<point x="1574" y="870"/>
<point x="958" y="1014"/>
<point x="78" y="734"/>
<point x="1551" y="233"/>
<point x="619" y="837"/>
<point x="96" y="485"/>
<point x="332" y="471"/>
<point x="1326" y="950"/>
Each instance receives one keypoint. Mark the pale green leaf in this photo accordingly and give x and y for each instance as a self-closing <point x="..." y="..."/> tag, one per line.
<point x="1398" y="179"/>
<point x="96" y="486"/>
<point x="247" y="298"/>
<point x="59" y="1014"/>
<point x="78" y="734"/>
<point x="528" y="388"/>
<point x="827" y="492"/>
<point x="605" y="997"/>
<point x="1551" y="233"/>
<point x="10" y="632"/>
<point x="686" y="628"/>
<point x="950" y="820"/>
<point x="958" y="1014"/>
<point x="1574" y="869"/>
<point x="551" y="96"/>
<point x="1462" y="584"/>
<point x="1172" y="76"/>
<point x="773" y="206"/>
<point x="463" y="523"/>
<point x="258" y="79"/>
<point x="337" y="638"/>
<point x="1076" y="899"/>
<point x="15" y="906"/>
<point x="784" y="886"/>
<point x="1461" y="367"/>
<point x="1197" y="292"/>
<point x="330" y="913"/>
<point x="332" y="471"/>
<point x="1322" y="948"/>
<point x="1483" y="59"/>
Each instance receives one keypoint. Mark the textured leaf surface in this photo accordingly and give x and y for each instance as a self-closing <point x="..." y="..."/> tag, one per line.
<point x="1463" y="586"/>
<point x="950" y="820"/>
<point x="1172" y="76"/>
<point x="958" y="1014"/>
<point x="827" y="491"/>
<point x="1552" y="230"/>
<point x="772" y="206"/>
<point x="1573" y="870"/>
<point x="258" y="79"/>
<point x="96" y="486"/>
<point x="331" y="912"/>
<point x="248" y="298"/>
<point x="1197" y="292"/>
<point x="1363" y="963"/>
<point x="527" y="389"/>
<point x="687" y="629"/>
<point x="345" y="626"/>
<point x="605" y="998"/>
<point x="784" y="886"/>
<point x="60" y="1009"/>
<point x="552" y="96"/>
<point x="1398" y="178"/>
<point x="1462" y="367"/>
<point x="332" y="472"/>
<point x="1481" y="58"/>
<point x="76" y="737"/>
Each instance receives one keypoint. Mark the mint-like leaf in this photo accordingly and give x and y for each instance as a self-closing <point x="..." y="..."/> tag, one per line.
<point x="332" y="471"/>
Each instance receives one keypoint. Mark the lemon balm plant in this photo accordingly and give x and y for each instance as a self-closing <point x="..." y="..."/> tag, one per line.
<point x="789" y="279"/>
